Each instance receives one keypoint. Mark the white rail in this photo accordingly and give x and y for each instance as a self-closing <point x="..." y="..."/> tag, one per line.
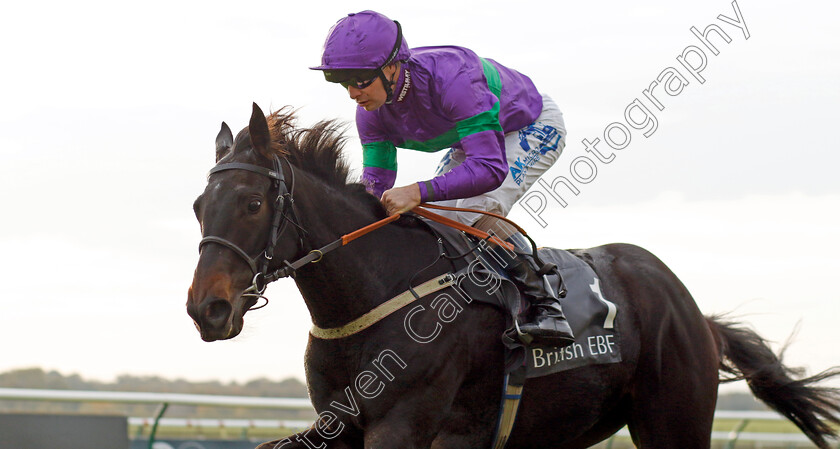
<point x="212" y="423"/>
<point x="164" y="400"/>
<point x="153" y="398"/>
<point x="22" y="394"/>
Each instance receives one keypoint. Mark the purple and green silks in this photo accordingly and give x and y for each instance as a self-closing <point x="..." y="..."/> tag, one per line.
<point x="448" y="97"/>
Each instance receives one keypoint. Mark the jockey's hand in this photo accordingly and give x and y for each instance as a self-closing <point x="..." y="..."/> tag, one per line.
<point x="401" y="199"/>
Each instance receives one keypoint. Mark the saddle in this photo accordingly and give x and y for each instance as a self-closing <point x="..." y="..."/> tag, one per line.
<point x="481" y="276"/>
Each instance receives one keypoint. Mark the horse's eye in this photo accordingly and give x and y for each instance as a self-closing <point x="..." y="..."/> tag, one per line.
<point x="254" y="205"/>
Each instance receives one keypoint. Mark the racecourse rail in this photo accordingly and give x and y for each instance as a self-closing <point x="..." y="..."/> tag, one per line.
<point x="164" y="400"/>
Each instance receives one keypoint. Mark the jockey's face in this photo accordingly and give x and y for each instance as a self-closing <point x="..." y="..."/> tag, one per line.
<point x="373" y="96"/>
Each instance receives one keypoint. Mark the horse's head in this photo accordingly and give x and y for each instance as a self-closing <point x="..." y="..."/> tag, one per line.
<point x="236" y="213"/>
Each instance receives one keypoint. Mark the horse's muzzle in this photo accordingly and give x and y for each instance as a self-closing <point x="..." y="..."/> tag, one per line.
<point x="215" y="313"/>
<point x="214" y="318"/>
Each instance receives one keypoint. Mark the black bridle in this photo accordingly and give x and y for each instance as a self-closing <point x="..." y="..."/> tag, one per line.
<point x="284" y="212"/>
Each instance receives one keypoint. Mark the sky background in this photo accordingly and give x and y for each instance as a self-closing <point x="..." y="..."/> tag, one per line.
<point x="109" y="111"/>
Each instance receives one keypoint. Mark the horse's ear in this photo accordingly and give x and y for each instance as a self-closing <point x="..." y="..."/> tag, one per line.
<point x="224" y="140"/>
<point x="260" y="135"/>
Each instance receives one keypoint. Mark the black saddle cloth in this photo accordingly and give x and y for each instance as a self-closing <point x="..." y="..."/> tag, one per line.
<point x="481" y="275"/>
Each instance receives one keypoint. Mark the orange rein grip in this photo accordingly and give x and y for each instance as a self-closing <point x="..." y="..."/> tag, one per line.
<point x="461" y="209"/>
<point x="419" y="210"/>
<point x="460" y="226"/>
<point x="347" y="238"/>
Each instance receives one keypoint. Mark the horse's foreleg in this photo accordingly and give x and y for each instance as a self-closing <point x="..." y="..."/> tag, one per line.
<point x="401" y="434"/>
<point x="415" y="423"/>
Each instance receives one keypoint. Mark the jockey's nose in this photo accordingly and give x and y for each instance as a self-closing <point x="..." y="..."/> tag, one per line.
<point x="353" y="91"/>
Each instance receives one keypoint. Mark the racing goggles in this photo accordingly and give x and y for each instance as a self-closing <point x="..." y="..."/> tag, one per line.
<point x="359" y="79"/>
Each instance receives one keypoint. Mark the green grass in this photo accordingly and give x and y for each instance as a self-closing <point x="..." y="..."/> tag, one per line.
<point x="210" y="433"/>
<point x="265" y="434"/>
<point x="754" y="425"/>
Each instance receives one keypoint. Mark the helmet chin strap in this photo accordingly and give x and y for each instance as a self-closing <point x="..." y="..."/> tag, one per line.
<point x="389" y="84"/>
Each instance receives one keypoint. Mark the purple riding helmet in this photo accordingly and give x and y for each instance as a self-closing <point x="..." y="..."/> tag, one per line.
<point x="359" y="46"/>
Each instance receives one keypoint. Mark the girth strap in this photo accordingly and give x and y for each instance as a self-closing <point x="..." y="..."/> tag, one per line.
<point x="384" y="309"/>
<point x="511" y="397"/>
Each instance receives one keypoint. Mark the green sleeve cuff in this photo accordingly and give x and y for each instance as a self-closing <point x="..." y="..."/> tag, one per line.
<point x="380" y="154"/>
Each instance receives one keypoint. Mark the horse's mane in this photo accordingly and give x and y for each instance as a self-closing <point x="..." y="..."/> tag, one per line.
<point x="317" y="150"/>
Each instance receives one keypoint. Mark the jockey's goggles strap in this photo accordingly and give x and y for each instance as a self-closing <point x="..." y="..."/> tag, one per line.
<point x="360" y="78"/>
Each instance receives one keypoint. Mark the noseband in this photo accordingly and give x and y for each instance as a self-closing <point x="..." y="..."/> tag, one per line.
<point x="284" y="212"/>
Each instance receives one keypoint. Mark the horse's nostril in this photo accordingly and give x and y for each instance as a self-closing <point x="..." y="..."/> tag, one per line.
<point x="216" y="312"/>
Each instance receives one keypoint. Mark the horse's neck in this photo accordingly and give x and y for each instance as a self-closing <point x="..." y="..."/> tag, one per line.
<point x="352" y="280"/>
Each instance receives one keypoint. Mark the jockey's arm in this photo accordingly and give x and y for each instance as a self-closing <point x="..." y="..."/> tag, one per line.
<point x="483" y="169"/>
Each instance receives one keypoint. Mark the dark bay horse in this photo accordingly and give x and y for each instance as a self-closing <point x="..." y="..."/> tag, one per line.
<point x="381" y="389"/>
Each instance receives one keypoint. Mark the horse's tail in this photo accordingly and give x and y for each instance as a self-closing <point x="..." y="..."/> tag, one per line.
<point x="746" y="355"/>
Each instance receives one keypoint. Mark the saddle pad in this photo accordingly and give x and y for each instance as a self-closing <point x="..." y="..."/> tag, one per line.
<point x="591" y="316"/>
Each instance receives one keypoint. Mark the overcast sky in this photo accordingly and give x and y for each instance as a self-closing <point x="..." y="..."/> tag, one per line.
<point x="109" y="110"/>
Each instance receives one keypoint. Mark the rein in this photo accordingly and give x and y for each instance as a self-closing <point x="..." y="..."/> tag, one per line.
<point x="284" y="212"/>
<point x="316" y="254"/>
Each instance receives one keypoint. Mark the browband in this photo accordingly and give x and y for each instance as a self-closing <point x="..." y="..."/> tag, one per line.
<point x="273" y="174"/>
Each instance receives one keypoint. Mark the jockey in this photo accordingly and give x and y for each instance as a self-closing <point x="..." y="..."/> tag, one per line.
<point x="500" y="132"/>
